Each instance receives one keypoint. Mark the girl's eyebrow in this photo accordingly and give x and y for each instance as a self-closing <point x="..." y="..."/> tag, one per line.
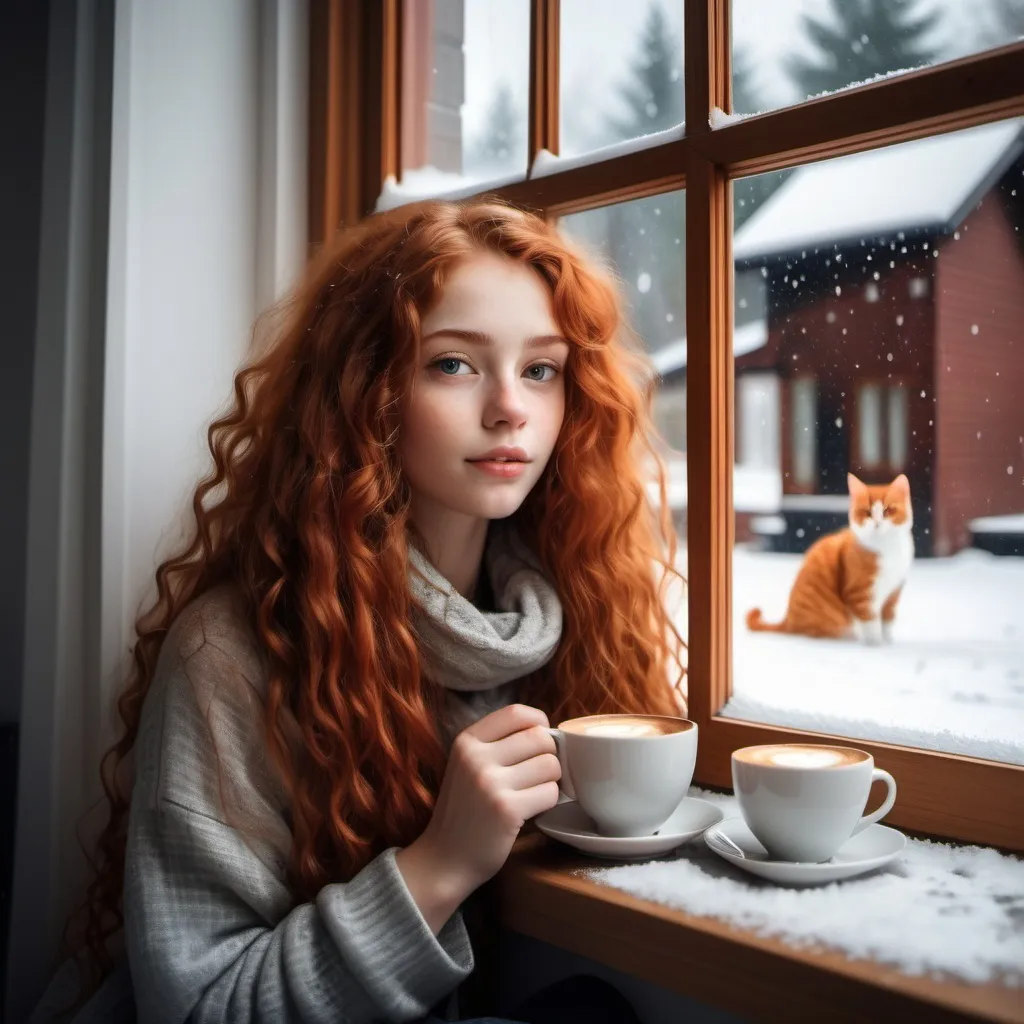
<point x="480" y="338"/>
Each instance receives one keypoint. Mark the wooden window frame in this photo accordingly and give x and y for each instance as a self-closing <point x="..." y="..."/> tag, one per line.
<point x="354" y="144"/>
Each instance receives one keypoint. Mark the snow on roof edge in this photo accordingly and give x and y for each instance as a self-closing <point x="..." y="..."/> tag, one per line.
<point x="807" y="177"/>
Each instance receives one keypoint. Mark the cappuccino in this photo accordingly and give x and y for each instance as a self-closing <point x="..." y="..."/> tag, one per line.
<point x="802" y="801"/>
<point x="633" y="726"/>
<point x="628" y="773"/>
<point x="800" y="755"/>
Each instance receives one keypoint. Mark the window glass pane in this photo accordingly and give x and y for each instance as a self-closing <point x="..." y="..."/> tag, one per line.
<point x="898" y="440"/>
<point x="465" y="92"/>
<point x="787" y="51"/>
<point x="641" y="243"/>
<point x="892" y="311"/>
<point x="620" y="71"/>
<point x="869" y="424"/>
<point x="805" y="429"/>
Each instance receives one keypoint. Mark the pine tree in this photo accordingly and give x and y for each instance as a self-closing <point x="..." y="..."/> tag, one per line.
<point x="501" y="147"/>
<point x="749" y="193"/>
<point x="861" y="39"/>
<point x="645" y="238"/>
<point x="653" y="95"/>
<point x="744" y="86"/>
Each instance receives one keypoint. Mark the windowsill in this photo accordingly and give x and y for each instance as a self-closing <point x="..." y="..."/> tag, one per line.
<point x="716" y="963"/>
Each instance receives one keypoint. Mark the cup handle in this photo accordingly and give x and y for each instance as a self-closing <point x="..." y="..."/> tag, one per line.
<point x="878" y="775"/>
<point x="566" y="785"/>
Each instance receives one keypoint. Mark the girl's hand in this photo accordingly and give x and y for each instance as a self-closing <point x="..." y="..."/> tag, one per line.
<point x="502" y="770"/>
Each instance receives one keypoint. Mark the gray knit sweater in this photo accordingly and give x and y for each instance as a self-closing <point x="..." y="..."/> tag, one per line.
<point x="212" y="932"/>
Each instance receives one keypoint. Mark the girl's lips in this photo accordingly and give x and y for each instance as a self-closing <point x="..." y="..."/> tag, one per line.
<point x="507" y="470"/>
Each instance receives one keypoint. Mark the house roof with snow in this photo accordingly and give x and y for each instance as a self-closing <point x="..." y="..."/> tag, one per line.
<point x="746" y="338"/>
<point x="927" y="184"/>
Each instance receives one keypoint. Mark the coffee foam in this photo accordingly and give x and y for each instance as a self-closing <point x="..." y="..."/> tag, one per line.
<point x="800" y="756"/>
<point x="633" y="726"/>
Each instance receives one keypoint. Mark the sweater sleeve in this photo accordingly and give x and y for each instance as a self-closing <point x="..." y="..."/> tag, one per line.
<point x="212" y="931"/>
<point x="200" y="950"/>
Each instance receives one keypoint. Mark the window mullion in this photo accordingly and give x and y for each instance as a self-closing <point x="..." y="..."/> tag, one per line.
<point x="544" y="87"/>
<point x="709" y="427"/>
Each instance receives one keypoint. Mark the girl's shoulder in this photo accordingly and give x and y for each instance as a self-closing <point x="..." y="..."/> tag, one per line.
<point x="213" y="640"/>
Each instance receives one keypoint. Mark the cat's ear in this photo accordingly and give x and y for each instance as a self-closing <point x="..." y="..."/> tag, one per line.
<point x="901" y="485"/>
<point x="855" y="485"/>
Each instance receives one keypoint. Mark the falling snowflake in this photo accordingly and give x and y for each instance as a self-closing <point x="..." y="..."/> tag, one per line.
<point x="643" y="283"/>
<point x="974" y="328"/>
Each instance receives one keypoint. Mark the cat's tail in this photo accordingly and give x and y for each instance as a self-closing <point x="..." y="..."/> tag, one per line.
<point x="756" y="624"/>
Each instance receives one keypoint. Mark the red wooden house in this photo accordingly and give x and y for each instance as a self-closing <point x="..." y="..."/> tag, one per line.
<point x="895" y="334"/>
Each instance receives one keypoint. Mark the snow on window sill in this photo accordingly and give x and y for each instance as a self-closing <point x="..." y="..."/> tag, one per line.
<point x="547" y="163"/>
<point x="720" y="119"/>
<point x="899" y="916"/>
<point x="430" y="183"/>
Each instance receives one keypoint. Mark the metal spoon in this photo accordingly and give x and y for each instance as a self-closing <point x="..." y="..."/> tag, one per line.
<point x="721" y="837"/>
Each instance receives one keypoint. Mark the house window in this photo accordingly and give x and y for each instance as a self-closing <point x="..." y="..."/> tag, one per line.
<point x="757" y="405"/>
<point x="804" y="435"/>
<point x="882" y="435"/>
<point x="897" y="423"/>
<point x="869" y="425"/>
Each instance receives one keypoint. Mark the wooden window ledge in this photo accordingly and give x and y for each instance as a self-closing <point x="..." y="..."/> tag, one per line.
<point x="706" y="959"/>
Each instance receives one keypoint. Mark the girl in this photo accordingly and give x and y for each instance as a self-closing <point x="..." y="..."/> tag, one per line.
<point x="426" y="536"/>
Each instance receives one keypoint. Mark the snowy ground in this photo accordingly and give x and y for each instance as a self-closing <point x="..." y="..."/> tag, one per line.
<point x="952" y="680"/>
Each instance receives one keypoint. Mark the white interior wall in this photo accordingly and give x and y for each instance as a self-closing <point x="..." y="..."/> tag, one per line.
<point x="207" y="225"/>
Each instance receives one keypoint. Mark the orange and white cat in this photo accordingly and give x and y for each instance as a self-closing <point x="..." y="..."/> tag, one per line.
<point x="850" y="580"/>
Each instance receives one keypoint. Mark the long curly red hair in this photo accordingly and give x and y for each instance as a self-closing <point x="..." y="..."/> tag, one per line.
<point x="306" y="513"/>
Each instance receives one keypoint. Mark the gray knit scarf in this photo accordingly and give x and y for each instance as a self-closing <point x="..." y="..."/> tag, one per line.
<point x="479" y="655"/>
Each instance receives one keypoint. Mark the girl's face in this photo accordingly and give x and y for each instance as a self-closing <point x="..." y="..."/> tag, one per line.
<point x="491" y="374"/>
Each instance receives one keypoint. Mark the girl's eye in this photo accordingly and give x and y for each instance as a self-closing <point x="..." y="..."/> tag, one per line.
<point x="449" y="365"/>
<point x="543" y="366"/>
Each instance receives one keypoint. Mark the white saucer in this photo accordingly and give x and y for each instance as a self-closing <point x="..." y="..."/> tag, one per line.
<point x="870" y="849"/>
<point x="569" y="823"/>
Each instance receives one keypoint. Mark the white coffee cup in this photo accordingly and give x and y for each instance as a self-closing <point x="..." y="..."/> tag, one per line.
<point x="802" y="801"/>
<point x="628" y="772"/>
